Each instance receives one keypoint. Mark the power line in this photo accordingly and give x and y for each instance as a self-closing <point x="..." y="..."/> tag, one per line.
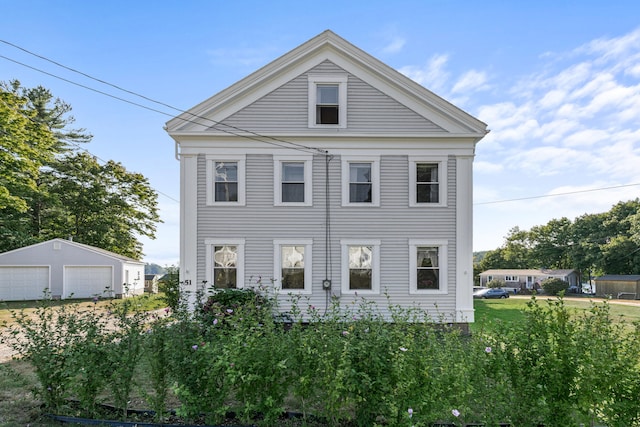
<point x="247" y="133"/>
<point x="215" y="122"/>
<point x="78" y="147"/>
<point x="557" y="194"/>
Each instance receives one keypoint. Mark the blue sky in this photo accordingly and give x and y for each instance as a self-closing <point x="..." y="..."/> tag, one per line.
<point x="558" y="83"/>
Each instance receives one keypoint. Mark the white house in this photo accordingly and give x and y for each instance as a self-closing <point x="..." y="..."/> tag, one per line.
<point x="67" y="269"/>
<point x="528" y="278"/>
<point x="330" y="174"/>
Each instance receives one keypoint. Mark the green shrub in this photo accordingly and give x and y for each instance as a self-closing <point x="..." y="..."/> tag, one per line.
<point x="554" y="286"/>
<point x="169" y="285"/>
<point x="349" y="365"/>
<point x="496" y="283"/>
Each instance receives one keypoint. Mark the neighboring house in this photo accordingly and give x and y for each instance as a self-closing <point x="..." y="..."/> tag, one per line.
<point x="528" y="278"/>
<point x="67" y="269"/>
<point x="329" y="174"/>
<point x="151" y="283"/>
<point x="618" y="286"/>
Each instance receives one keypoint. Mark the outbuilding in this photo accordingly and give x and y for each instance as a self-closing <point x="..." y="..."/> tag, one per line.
<point x="66" y="269"/>
<point x="618" y="286"/>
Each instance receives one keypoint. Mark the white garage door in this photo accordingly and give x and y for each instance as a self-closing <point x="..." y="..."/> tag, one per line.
<point x="23" y="283"/>
<point x="87" y="282"/>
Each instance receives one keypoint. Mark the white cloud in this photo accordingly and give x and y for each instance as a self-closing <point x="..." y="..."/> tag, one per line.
<point x="395" y="46"/>
<point x="471" y="81"/>
<point x="433" y="75"/>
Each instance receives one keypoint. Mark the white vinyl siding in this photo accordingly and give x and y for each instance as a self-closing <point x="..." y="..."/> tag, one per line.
<point x="260" y="222"/>
<point x="370" y="111"/>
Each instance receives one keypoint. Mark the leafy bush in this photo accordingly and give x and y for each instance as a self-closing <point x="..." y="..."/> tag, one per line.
<point x="348" y="366"/>
<point x="496" y="283"/>
<point x="554" y="286"/>
<point x="169" y="285"/>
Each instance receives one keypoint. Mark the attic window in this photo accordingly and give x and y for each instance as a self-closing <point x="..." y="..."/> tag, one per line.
<point x="327" y="105"/>
<point x="327" y="101"/>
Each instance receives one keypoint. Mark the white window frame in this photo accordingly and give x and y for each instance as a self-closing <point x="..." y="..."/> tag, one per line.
<point x="413" y="180"/>
<point x="315" y="80"/>
<point x="511" y="278"/>
<point x="443" y="246"/>
<point x="308" y="179"/>
<point x="308" y="261"/>
<point x="211" y="185"/>
<point x="375" y="179"/>
<point x="375" y="267"/>
<point x="209" y="264"/>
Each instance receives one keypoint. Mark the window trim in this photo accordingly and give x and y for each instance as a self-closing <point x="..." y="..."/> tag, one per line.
<point x="211" y="185"/>
<point x="375" y="268"/>
<point x="443" y="246"/>
<point x="375" y="179"/>
<point x="210" y="265"/>
<point x="442" y="180"/>
<point x="308" y="179"/>
<point x="341" y="80"/>
<point x="308" y="262"/>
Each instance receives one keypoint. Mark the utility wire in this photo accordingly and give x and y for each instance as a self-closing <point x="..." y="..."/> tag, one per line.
<point x="298" y="146"/>
<point x="247" y="134"/>
<point x="216" y="123"/>
<point x="78" y="147"/>
<point x="557" y="194"/>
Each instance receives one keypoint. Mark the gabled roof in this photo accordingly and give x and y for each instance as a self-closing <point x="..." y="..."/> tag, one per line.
<point x="527" y="272"/>
<point x="81" y="246"/>
<point x="326" y="46"/>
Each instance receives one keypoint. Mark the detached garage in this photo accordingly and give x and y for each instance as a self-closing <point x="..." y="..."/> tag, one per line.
<point x="66" y="269"/>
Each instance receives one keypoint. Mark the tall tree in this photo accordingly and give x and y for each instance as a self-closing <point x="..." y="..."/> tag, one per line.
<point x="551" y="244"/>
<point x="102" y="205"/>
<point x="49" y="190"/>
<point x="25" y="147"/>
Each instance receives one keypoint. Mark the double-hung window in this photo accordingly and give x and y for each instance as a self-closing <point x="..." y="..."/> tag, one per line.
<point x="292" y="180"/>
<point x="225" y="180"/>
<point x="360" y="181"/>
<point x="360" y="266"/>
<point x="327" y="101"/>
<point x="292" y="265"/>
<point x="427" y="186"/>
<point x="428" y="266"/>
<point x="225" y="263"/>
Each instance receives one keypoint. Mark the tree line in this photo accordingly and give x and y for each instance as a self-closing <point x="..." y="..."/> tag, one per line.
<point x="593" y="244"/>
<point x="50" y="186"/>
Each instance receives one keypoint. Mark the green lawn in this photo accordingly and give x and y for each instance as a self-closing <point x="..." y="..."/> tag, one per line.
<point x="511" y="310"/>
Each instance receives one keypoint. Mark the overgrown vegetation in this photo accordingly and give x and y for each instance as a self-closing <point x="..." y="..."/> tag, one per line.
<point x="554" y="286"/>
<point x="349" y="366"/>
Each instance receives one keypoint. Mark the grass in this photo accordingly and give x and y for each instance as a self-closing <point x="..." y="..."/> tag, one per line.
<point x="511" y="310"/>
<point x="19" y="407"/>
<point x="141" y="303"/>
